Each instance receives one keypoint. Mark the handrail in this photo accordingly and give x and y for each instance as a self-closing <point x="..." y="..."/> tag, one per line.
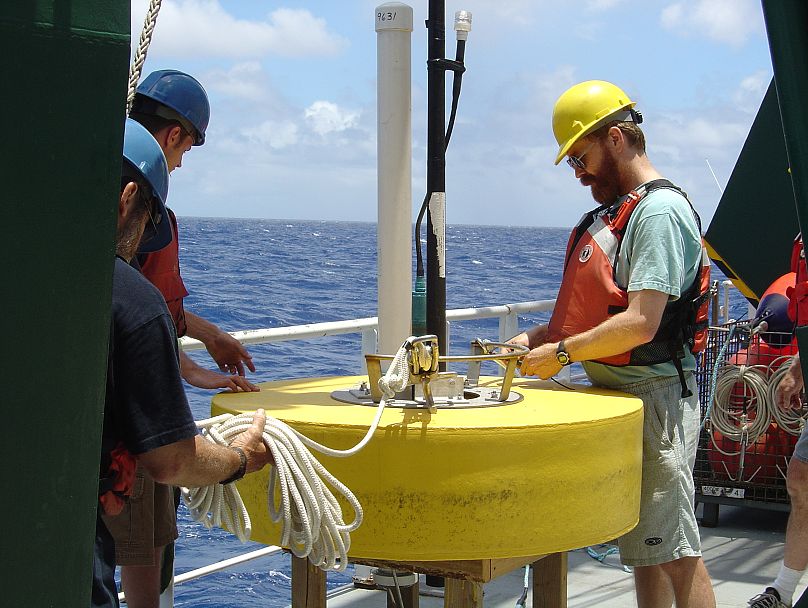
<point x="333" y="328"/>
<point x="507" y="314"/>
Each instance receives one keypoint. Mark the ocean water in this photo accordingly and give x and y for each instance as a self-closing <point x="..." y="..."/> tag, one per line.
<point x="249" y="274"/>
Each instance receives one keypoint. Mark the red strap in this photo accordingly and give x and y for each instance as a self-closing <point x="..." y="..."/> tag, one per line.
<point x="121" y="470"/>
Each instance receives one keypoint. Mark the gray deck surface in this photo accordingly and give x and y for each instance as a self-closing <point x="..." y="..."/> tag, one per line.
<point x="742" y="555"/>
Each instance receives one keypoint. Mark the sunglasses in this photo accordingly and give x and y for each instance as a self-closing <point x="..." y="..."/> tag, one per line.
<point x="576" y="162"/>
<point x="153" y="210"/>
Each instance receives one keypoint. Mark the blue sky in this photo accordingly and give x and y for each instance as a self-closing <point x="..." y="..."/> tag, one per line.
<point x="292" y="89"/>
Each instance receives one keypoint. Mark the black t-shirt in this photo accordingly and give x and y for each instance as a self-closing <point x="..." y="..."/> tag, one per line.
<point x="145" y="405"/>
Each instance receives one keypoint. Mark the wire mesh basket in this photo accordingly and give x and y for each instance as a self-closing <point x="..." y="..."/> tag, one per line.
<point x="746" y="441"/>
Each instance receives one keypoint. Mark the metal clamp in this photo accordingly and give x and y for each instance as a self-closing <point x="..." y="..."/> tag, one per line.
<point x="424" y="362"/>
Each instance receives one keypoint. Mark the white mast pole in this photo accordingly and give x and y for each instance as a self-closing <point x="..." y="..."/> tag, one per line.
<point x="394" y="129"/>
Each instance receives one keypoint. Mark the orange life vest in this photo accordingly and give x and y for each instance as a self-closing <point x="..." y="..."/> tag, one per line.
<point x="798" y="295"/>
<point x="162" y="268"/>
<point x="590" y="294"/>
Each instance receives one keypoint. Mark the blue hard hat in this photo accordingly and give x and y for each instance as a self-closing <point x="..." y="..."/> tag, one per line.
<point x="146" y="160"/>
<point x="180" y="92"/>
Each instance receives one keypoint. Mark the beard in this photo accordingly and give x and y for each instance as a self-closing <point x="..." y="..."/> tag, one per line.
<point x="605" y="185"/>
<point x="129" y="235"/>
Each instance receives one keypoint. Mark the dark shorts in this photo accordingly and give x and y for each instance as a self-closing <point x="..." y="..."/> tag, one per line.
<point x="148" y="521"/>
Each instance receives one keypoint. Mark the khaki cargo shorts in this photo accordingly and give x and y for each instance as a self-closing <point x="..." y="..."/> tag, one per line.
<point x="667" y="529"/>
<point x="148" y="520"/>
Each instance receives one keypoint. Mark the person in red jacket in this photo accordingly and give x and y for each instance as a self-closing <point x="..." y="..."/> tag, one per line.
<point x="632" y="310"/>
<point x="788" y="391"/>
<point x="788" y="396"/>
<point x="174" y="108"/>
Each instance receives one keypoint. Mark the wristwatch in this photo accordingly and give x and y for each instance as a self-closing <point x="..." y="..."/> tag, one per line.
<point x="562" y="356"/>
<point x="242" y="467"/>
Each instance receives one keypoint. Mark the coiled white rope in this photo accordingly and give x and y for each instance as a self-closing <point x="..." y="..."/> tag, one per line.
<point x="741" y="422"/>
<point x="142" y="48"/>
<point x="791" y="421"/>
<point x="312" y="523"/>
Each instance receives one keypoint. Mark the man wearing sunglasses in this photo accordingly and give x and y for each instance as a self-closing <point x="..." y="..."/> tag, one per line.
<point x="174" y="108"/>
<point x="146" y="415"/>
<point x="632" y="309"/>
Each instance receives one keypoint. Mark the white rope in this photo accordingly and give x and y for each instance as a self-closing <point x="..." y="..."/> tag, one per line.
<point x="791" y="421"/>
<point x="142" y="49"/>
<point x="312" y="523"/>
<point x="741" y="422"/>
<point x="398" y="374"/>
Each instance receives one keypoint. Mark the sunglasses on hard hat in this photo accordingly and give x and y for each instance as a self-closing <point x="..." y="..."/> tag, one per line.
<point x="576" y="162"/>
<point x="155" y="218"/>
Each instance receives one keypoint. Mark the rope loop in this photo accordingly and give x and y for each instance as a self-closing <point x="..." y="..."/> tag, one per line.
<point x="748" y="419"/>
<point x="312" y="522"/>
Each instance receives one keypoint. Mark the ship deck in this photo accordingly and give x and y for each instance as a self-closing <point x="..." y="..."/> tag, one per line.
<point x="742" y="554"/>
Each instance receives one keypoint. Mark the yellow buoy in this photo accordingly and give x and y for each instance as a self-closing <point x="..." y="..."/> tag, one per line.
<point x="558" y="470"/>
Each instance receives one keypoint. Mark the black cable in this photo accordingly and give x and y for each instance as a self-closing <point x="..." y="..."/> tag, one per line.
<point x="460" y="54"/>
<point x="569" y="388"/>
<point x="458" y="68"/>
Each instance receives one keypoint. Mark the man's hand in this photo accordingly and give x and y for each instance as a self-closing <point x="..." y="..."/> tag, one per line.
<point x="533" y="337"/>
<point x="787" y="394"/>
<point x="520" y="340"/>
<point x="200" y="377"/>
<point x="229" y="354"/>
<point x="541" y="362"/>
<point x="252" y="442"/>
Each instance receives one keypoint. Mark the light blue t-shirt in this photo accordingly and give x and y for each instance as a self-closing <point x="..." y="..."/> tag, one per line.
<point x="661" y="250"/>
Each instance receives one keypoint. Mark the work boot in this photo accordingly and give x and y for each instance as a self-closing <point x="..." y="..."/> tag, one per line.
<point x="768" y="599"/>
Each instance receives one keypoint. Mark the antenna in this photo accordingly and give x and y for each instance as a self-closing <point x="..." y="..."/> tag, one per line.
<point x="717" y="183"/>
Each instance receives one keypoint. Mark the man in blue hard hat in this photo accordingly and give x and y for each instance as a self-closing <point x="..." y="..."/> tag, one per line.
<point x="174" y="108"/>
<point x="147" y="419"/>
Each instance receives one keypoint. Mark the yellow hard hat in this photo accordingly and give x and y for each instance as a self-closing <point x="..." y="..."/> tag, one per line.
<point x="583" y="108"/>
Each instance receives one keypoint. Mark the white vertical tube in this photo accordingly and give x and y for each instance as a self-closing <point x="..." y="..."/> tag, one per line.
<point x="394" y="240"/>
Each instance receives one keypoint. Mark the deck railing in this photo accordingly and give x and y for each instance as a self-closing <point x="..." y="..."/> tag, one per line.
<point x="507" y="314"/>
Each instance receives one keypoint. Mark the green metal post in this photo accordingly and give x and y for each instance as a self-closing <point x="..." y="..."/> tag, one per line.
<point x="787" y="28"/>
<point x="64" y="78"/>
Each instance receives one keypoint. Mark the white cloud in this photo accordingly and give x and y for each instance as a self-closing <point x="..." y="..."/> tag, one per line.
<point x="275" y="134"/>
<point x="726" y="21"/>
<point x="241" y="81"/>
<point x="708" y="135"/>
<point x="672" y="16"/>
<point x="326" y="117"/>
<point x="750" y="91"/>
<point x="203" y="28"/>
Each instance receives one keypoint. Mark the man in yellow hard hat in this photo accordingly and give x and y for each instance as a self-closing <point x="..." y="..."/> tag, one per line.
<point x="632" y="308"/>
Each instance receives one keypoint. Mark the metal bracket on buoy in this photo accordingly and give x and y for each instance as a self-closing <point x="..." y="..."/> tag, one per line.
<point x="433" y="389"/>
